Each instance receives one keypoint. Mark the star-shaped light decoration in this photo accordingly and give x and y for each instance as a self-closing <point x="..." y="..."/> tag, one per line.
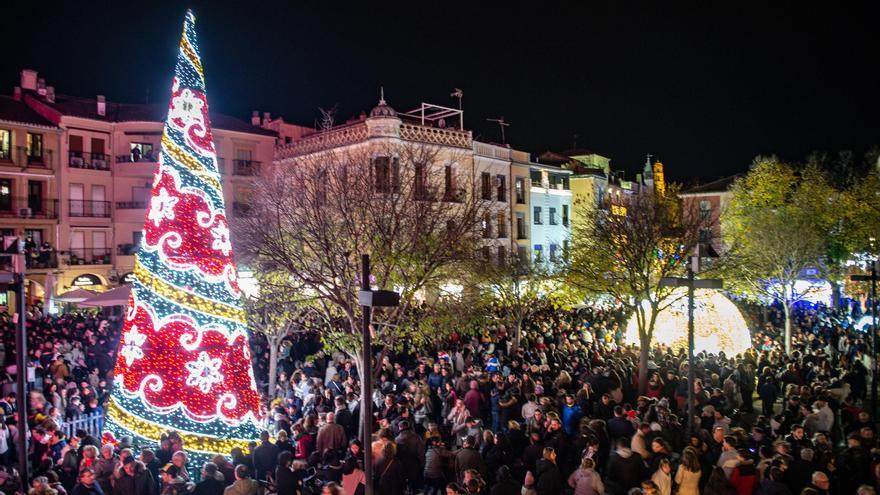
<point x="204" y="372"/>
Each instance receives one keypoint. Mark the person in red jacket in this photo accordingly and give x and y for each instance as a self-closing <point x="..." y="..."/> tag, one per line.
<point x="305" y="444"/>
<point x="745" y="475"/>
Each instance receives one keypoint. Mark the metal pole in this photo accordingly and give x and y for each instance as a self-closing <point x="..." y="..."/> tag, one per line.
<point x="366" y="383"/>
<point x="874" y="339"/>
<point x="691" y="377"/>
<point x="21" y="380"/>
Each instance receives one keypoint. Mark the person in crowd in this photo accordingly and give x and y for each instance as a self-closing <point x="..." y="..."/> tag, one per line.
<point x="87" y="483"/>
<point x="212" y="481"/>
<point x="243" y="484"/>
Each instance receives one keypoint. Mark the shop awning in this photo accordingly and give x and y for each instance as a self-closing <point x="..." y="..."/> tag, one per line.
<point x="113" y="297"/>
<point x="75" y="296"/>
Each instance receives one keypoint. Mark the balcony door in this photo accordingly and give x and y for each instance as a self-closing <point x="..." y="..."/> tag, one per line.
<point x="78" y="244"/>
<point x="99" y="245"/>
<point x="5" y="194"/>
<point x="99" y="204"/>
<point x="35" y="196"/>
<point x="76" y="200"/>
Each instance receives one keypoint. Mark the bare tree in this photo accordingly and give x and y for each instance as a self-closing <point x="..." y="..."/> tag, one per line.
<point x="624" y="249"/>
<point x="412" y="208"/>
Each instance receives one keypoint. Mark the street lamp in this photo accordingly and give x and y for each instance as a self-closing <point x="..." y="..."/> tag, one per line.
<point x="702" y="250"/>
<point x="369" y="299"/>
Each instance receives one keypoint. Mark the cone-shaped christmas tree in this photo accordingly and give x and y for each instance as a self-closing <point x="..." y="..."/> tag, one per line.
<point x="184" y="362"/>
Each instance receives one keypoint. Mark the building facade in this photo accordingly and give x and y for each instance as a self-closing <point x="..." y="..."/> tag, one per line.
<point x="101" y="159"/>
<point x="710" y="199"/>
<point x="550" y="201"/>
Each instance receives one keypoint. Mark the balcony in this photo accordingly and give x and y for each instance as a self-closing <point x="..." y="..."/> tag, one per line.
<point x="92" y="209"/>
<point x="246" y="167"/>
<point x="138" y="157"/>
<point x="28" y="207"/>
<point x="131" y="205"/>
<point x="5" y="154"/>
<point x="453" y="195"/>
<point x="41" y="260"/>
<point x="89" y="161"/>
<point x="82" y="256"/>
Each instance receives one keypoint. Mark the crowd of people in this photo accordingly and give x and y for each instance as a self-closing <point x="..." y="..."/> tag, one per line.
<point x="560" y="414"/>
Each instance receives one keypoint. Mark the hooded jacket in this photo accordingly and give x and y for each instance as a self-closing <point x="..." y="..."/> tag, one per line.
<point x="625" y="469"/>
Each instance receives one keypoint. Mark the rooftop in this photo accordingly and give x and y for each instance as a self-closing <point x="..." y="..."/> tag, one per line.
<point x="87" y="108"/>
<point x="12" y="110"/>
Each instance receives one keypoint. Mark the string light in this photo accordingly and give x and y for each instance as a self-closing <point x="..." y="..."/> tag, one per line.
<point x="184" y="363"/>
<point x="718" y="324"/>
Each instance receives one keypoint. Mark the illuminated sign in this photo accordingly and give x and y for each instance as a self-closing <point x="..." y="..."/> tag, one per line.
<point x="85" y="280"/>
<point x="618" y="210"/>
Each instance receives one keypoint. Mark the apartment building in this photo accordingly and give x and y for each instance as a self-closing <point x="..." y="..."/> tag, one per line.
<point x="710" y="199"/>
<point x="520" y="194"/>
<point x="29" y="159"/>
<point x="101" y="159"/>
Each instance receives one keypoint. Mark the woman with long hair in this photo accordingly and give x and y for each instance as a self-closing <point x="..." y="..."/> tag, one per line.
<point x="687" y="477"/>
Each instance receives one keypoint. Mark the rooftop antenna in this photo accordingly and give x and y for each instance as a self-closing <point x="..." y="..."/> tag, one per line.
<point x="382" y="95"/>
<point x="502" y="124"/>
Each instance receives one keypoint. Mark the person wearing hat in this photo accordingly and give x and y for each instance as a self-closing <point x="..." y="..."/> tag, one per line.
<point x="172" y="483"/>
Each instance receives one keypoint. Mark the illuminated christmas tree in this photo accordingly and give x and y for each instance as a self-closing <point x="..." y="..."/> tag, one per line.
<point x="184" y="363"/>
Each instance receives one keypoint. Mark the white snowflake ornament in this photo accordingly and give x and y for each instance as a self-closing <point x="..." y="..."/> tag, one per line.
<point x="221" y="239"/>
<point x="162" y="207"/>
<point x="133" y="340"/>
<point x="204" y="372"/>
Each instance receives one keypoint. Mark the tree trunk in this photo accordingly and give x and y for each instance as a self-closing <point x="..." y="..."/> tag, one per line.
<point x="787" y="337"/>
<point x="644" y="352"/>
<point x="273" y="364"/>
<point x="835" y="294"/>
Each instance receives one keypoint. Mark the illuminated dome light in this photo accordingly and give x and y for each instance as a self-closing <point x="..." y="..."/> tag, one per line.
<point x="718" y="324"/>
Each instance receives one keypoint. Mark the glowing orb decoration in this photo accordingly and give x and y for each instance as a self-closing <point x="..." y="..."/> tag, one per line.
<point x="864" y="323"/>
<point x="718" y="324"/>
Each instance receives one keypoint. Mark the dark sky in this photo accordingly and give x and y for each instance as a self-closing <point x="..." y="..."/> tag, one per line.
<point x="705" y="90"/>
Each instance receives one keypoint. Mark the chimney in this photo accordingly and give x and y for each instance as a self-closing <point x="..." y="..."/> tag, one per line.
<point x="16" y="93"/>
<point x="29" y="79"/>
<point x="102" y="106"/>
<point x="50" y="94"/>
<point x="266" y="118"/>
<point x="255" y="118"/>
<point x="41" y="87"/>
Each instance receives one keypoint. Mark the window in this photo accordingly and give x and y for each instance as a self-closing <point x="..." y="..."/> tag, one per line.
<point x="487" y="226"/>
<point x="520" y="190"/>
<point x="501" y="182"/>
<point x="98" y="149"/>
<point x="420" y="179"/>
<point x="537" y="248"/>
<point x="566" y="249"/>
<point x="536" y="214"/>
<point x="535" y="175"/>
<point x="5" y="145"/>
<point x="487" y="254"/>
<point x="141" y="152"/>
<point x="486" y="185"/>
<point x="35" y="195"/>
<point x="450" y="192"/>
<point x="77" y="195"/>
<point x="502" y="255"/>
<point x="136" y="239"/>
<point x="553" y="249"/>
<point x="382" y="174"/>
<point x="565" y="215"/>
<point x="34" y="147"/>
<point x="5" y="194"/>
<point x="705" y="209"/>
<point x="520" y="226"/>
<point x="502" y="226"/>
<point x="552" y="216"/>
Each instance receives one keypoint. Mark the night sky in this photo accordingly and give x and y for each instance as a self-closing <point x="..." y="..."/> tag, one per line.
<point x="703" y="90"/>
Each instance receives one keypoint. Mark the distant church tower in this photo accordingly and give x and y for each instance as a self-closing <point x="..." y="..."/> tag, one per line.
<point x="659" y="180"/>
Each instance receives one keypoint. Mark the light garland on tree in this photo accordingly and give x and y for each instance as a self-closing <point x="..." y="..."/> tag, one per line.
<point x="184" y="362"/>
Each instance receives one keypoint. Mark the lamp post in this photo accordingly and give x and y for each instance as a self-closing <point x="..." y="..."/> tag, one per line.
<point x="875" y="267"/>
<point x="701" y="251"/>
<point x="369" y="299"/>
<point x="15" y="281"/>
